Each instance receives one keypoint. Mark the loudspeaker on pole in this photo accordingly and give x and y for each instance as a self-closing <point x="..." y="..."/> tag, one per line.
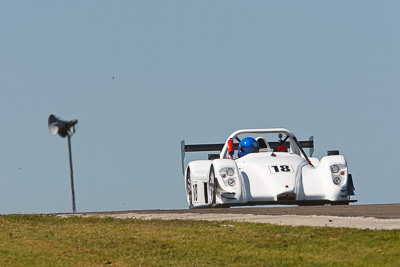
<point x="63" y="128"/>
<point x="59" y="126"/>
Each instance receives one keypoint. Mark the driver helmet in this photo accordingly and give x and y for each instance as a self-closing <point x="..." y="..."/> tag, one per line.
<point x="248" y="145"/>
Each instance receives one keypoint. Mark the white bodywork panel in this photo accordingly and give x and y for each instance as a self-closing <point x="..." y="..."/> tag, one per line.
<point x="267" y="177"/>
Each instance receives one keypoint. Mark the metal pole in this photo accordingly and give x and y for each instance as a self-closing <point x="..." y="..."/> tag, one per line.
<point x="72" y="173"/>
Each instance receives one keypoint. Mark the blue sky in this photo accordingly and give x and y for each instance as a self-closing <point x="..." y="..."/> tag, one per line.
<point x="193" y="70"/>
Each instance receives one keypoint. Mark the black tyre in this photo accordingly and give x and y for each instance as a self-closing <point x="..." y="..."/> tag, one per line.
<point x="189" y="193"/>
<point x="212" y="185"/>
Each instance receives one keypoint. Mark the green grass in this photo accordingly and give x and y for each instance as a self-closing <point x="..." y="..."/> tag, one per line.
<point x="49" y="240"/>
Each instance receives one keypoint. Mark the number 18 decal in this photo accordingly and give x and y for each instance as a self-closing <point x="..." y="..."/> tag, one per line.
<point x="281" y="168"/>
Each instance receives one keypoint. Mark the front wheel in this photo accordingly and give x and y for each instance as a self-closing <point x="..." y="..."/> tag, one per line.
<point x="189" y="194"/>
<point x="212" y="181"/>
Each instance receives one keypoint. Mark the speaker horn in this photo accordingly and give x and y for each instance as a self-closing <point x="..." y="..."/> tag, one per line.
<point x="59" y="126"/>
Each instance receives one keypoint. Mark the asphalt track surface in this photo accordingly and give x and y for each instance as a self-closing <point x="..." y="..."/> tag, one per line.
<point x="375" y="217"/>
<point x="383" y="211"/>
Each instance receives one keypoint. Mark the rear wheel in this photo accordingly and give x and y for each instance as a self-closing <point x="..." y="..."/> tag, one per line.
<point x="212" y="186"/>
<point x="189" y="188"/>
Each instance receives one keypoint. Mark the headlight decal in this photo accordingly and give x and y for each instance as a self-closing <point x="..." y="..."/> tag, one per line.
<point x="229" y="176"/>
<point x="231" y="182"/>
<point x="335" y="168"/>
<point x="338" y="172"/>
<point x="337" y="180"/>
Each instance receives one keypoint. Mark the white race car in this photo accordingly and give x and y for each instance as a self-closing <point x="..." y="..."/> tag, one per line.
<point x="279" y="172"/>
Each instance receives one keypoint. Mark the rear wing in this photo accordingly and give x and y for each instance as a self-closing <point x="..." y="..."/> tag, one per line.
<point x="218" y="147"/>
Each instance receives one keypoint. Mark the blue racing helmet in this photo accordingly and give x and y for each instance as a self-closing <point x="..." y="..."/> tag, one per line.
<point x="248" y="145"/>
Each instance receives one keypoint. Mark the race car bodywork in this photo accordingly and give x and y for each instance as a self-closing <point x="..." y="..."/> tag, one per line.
<point x="267" y="177"/>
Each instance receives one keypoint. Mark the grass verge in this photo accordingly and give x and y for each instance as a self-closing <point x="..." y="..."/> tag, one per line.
<point x="49" y="240"/>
